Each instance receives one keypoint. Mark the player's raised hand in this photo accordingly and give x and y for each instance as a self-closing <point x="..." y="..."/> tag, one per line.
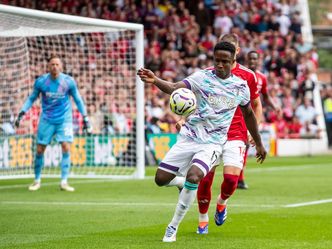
<point x="87" y="128"/>
<point x="260" y="153"/>
<point x="18" y="119"/>
<point x="146" y="75"/>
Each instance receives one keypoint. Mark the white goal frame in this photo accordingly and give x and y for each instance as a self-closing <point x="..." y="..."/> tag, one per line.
<point x="139" y="54"/>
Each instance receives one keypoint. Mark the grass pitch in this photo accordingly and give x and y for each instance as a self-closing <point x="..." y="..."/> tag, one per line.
<point x="288" y="205"/>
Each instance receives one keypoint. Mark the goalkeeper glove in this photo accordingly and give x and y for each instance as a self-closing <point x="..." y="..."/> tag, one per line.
<point x="87" y="128"/>
<point x="19" y="118"/>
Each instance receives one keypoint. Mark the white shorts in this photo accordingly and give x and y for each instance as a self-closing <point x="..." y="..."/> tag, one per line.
<point x="186" y="152"/>
<point x="233" y="153"/>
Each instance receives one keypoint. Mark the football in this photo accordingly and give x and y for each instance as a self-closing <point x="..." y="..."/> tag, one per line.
<point x="182" y="102"/>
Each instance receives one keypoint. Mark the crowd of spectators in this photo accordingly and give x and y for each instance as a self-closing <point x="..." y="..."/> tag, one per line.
<point x="179" y="39"/>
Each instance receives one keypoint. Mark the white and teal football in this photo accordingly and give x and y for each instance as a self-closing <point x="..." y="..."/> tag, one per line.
<point x="183" y="102"/>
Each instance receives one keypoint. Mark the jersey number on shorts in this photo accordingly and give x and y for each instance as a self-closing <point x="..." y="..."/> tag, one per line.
<point x="214" y="158"/>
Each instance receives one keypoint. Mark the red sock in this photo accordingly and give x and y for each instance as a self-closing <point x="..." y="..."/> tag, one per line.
<point x="228" y="186"/>
<point x="204" y="192"/>
<point x="241" y="177"/>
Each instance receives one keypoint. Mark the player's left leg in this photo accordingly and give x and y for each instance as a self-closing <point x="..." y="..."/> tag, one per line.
<point x="64" y="135"/>
<point x="233" y="155"/>
<point x="65" y="167"/>
<point x="186" y="198"/>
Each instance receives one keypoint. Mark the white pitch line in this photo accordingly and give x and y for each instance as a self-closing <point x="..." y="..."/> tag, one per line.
<point x="55" y="203"/>
<point x="255" y="170"/>
<point x="308" y="203"/>
<point x="134" y="204"/>
<point x="73" y="182"/>
<point x="145" y="204"/>
<point x="286" y="168"/>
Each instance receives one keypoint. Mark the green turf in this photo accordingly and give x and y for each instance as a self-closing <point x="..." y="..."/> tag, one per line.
<point x="134" y="213"/>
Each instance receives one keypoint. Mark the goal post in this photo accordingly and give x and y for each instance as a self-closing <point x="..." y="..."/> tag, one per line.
<point x="103" y="57"/>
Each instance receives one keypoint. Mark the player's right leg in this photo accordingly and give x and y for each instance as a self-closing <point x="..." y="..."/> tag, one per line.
<point x="173" y="167"/>
<point x="44" y="137"/>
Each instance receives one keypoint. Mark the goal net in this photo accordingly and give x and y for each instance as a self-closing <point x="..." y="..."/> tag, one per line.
<point x="103" y="57"/>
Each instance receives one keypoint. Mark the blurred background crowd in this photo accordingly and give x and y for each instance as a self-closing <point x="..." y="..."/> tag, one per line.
<point x="179" y="40"/>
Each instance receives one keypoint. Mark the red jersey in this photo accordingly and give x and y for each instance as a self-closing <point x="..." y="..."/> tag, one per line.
<point x="238" y="129"/>
<point x="261" y="82"/>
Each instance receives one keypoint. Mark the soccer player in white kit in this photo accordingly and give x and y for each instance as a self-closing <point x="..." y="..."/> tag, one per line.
<point x="202" y="137"/>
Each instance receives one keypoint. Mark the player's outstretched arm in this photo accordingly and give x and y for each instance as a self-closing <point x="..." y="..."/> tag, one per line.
<point x="27" y="104"/>
<point x="148" y="77"/>
<point x="87" y="128"/>
<point x="252" y="126"/>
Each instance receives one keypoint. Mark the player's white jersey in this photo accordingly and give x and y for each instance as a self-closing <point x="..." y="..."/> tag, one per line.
<point x="217" y="100"/>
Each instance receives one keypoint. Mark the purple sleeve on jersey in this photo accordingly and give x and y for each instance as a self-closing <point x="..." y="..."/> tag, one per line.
<point x="187" y="84"/>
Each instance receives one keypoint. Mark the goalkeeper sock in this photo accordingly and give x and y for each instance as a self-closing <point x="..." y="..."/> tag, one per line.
<point x="186" y="198"/>
<point x="65" y="165"/>
<point x="39" y="163"/>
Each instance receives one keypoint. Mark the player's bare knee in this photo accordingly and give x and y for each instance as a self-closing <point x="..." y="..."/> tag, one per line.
<point x="65" y="147"/>
<point x="162" y="178"/>
<point x="40" y="149"/>
<point x="194" y="175"/>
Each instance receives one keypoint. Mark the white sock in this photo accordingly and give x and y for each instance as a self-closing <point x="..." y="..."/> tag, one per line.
<point x="177" y="181"/>
<point x="221" y="201"/>
<point x="186" y="198"/>
<point x="203" y="217"/>
<point x="64" y="182"/>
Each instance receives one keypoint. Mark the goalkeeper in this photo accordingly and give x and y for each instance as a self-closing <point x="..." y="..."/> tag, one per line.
<point x="55" y="88"/>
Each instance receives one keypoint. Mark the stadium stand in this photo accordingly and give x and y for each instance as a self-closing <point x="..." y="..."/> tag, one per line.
<point x="179" y="38"/>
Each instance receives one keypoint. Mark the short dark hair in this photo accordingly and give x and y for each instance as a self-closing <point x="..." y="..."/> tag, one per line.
<point x="232" y="38"/>
<point x="252" y="52"/>
<point x="53" y="56"/>
<point x="226" y="46"/>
